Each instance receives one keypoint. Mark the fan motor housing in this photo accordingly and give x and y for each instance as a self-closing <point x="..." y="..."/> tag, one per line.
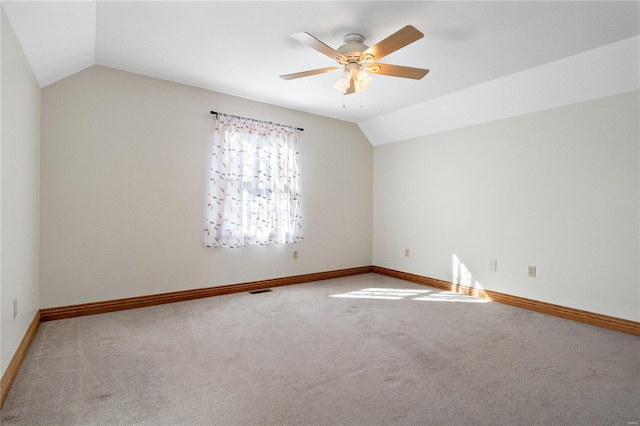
<point x="352" y="47"/>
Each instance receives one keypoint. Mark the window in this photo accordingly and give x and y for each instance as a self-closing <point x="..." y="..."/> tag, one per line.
<point x="254" y="187"/>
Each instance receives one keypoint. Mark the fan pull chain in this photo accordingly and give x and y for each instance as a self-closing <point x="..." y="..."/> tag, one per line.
<point x="343" y="105"/>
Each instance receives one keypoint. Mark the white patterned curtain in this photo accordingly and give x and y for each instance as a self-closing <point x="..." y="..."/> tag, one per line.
<point x="254" y="188"/>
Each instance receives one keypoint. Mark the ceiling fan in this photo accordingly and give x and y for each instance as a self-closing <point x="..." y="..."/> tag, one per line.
<point x="359" y="59"/>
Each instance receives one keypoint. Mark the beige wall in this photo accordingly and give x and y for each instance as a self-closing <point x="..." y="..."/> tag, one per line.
<point x="20" y="181"/>
<point x="558" y="190"/>
<point x="125" y="162"/>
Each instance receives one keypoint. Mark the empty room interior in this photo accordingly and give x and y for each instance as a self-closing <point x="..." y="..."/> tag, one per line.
<point x="310" y="212"/>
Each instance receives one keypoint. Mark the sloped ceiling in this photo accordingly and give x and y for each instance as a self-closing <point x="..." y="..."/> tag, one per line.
<point x="240" y="48"/>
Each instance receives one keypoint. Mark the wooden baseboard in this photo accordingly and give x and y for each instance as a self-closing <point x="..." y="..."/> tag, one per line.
<point x="599" y="320"/>
<point x="12" y="369"/>
<point x="49" y="314"/>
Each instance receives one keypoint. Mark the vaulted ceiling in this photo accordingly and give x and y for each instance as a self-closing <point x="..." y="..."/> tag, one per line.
<point x="241" y="47"/>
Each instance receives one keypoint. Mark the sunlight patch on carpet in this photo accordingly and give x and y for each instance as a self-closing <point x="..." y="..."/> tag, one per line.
<point x="450" y="296"/>
<point x="411" y="294"/>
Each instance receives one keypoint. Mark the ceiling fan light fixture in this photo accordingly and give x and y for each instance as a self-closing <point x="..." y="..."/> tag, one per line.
<point x="344" y="81"/>
<point x="364" y="80"/>
<point x="335" y="86"/>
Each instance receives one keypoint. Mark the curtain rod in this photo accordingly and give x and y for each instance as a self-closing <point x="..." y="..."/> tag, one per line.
<point x="297" y="128"/>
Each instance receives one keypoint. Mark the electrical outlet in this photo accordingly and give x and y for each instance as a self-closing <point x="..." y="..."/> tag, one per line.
<point x="295" y="254"/>
<point x="15" y="307"/>
<point x="406" y="253"/>
<point x="532" y="271"/>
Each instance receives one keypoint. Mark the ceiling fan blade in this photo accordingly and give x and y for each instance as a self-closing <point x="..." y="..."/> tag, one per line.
<point x="307" y="73"/>
<point x="311" y="41"/>
<point x="352" y="87"/>
<point x="397" y="71"/>
<point x="395" y="41"/>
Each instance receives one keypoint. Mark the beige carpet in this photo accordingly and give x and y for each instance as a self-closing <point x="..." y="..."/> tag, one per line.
<point x="349" y="351"/>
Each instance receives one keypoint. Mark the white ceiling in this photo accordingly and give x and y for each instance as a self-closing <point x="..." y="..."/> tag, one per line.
<point x="241" y="47"/>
